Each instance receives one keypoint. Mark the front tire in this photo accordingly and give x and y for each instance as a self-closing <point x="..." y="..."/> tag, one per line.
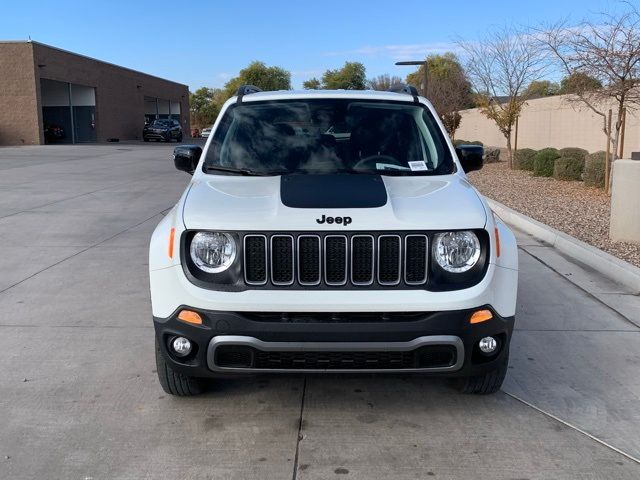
<point x="175" y="383"/>
<point x="488" y="383"/>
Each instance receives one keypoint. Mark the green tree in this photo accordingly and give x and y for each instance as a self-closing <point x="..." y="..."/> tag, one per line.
<point x="312" y="84"/>
<point x="203" y="106"/>
<point x="352" y="76"/>
<point x="541" y="88"/>
<point x="260" y="75"/>
<point x="448" y="88"/>
<point x="578" y="82"/>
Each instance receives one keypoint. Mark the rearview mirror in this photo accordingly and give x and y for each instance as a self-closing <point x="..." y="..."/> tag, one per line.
<point x="186" y="157"/>
<point x="470" y="157"/>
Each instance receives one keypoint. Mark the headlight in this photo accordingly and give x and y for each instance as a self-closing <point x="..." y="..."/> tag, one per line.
<point x="213" y="252"/>
<point x="456" y="252"/>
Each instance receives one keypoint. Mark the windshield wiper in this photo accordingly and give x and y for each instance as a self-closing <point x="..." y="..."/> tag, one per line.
<point x="237" y="171"/>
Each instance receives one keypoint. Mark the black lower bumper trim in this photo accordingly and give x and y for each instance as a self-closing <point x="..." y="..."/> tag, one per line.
<point x="216" y="323"/>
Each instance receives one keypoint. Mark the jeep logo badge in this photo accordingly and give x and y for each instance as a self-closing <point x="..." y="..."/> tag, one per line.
<point x="339" y="220"/>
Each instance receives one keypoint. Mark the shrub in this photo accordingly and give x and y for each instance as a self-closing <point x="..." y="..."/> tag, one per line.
<point x="573" y="152"/>
<point x="523" y="159"/>
<point x="568" y="168"/>
<point x="466" y="142"/>
<point x="543" y="162"/>
<point x="491" y="155"/>
<point x="594" y="165"/>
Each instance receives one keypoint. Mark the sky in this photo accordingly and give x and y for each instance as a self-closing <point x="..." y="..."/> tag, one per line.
<point x="205" y="43"/>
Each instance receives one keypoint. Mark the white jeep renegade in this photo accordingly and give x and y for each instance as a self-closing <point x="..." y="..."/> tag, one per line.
<point x="331" y="231"/>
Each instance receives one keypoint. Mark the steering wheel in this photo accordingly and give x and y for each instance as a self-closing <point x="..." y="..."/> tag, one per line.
<point x="373" y="159"/>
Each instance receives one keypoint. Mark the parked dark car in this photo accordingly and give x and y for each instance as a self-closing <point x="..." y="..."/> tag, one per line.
<point x="164" y="130"/>
<point x="53" y="133"/>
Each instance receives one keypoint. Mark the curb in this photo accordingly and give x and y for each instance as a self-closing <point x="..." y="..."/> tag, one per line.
<point x="605" y="263"/>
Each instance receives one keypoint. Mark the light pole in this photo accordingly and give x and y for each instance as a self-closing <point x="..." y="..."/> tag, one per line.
<point x="423" y="87"/>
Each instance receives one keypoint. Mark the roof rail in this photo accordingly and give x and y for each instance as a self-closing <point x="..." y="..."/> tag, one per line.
<point x="246" y="90"/>
<point x="404" y="88"/>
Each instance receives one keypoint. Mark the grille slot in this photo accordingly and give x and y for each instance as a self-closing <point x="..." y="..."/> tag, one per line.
<point x="389" y="256"/>
<point x="334" y="360"/>
<point x="282" y="259"/>
<point x="309" y="259"/>
<point x="362" y="259"/>
<point x="415" y="259"/>
<point x="255" y="259"/>
<point x="335" y="259"/>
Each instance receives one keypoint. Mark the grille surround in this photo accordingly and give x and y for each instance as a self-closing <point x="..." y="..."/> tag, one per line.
<point x="342" y="350"/>
<point x="354" y="260"/>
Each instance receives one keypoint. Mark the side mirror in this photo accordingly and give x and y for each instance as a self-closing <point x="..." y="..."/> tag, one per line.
<point x="186" y="157"/>
<point x="470" y="156"/>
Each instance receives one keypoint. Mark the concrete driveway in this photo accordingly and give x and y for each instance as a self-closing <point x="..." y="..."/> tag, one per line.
<point x="79" y="397"/>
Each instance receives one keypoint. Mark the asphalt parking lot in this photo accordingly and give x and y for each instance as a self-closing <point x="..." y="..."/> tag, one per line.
<point x="79" y="397"/>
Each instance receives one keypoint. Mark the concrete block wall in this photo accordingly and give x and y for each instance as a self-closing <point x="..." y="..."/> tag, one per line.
<point x="551" y="122"/>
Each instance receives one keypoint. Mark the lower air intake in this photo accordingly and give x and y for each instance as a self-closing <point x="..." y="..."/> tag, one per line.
<point x="432" y="356"/>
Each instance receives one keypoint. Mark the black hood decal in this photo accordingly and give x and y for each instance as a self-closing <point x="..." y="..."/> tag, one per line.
<point x="338" y="190"/>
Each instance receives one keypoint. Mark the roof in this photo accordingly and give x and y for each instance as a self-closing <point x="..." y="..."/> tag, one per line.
<point x="33" y="42"/>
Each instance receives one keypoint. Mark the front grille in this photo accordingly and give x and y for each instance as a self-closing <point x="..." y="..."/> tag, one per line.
<point x="432" y="356"/>
<point x="332" y="260"/>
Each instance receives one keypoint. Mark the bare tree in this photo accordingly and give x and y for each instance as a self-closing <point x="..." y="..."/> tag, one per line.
<point x="448" y="88"/>
<point x="607" y="50"/>
<point x="500" y="68"/>
<point x="383" y="82"/>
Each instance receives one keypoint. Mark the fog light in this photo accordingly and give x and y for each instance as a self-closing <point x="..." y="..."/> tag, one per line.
<point x="181" y="346"/>
<point x="488" y="344"/>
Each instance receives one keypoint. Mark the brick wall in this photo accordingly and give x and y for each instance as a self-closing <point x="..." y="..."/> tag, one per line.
<point x="19" y="116"/>
<point x="120" y="92"/>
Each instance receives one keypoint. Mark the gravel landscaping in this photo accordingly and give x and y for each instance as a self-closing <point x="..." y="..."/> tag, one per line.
<point x="572" y="207"/>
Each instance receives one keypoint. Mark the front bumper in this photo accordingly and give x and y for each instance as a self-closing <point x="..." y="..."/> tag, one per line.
<point x="352" y="334"/>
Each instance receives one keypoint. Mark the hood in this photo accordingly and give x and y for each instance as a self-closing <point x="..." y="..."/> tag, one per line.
<point x="229" y="202"/>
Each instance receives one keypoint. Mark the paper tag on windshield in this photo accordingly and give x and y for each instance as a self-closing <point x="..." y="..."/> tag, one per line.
<point x="418" y="166"/>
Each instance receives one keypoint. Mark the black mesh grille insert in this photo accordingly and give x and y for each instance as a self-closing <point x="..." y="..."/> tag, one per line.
<point x="362" y="260"/>
<point x="255" y="259"/>
<point x="389" y="259"/>
<point x="335" y="259"/>
<point x="282" y="259"/>
<point x="309" y="260"/>
<point x="234" y="356"/>
<point x="431" y="356"/>
<point x="416" y="259"/>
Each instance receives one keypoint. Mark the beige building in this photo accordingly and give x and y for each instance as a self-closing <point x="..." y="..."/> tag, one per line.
<point x="551" y="122"/>
<point x="51" y="95"/>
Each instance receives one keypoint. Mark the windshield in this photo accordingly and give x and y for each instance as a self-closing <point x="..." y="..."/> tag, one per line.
<point x="161" y="123"/>
<point x="329" y="136"/>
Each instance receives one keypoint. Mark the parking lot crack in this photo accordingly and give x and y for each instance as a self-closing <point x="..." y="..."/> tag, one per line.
<point x="300" y="435"/>
<point x="78" y="253"/>
<point x="573" y="427"/>
<point x="591" y="295"/>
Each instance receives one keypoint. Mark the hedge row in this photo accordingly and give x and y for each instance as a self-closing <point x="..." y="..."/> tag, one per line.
<point x="543" y="162"/>
<point x="523" y="159"/>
